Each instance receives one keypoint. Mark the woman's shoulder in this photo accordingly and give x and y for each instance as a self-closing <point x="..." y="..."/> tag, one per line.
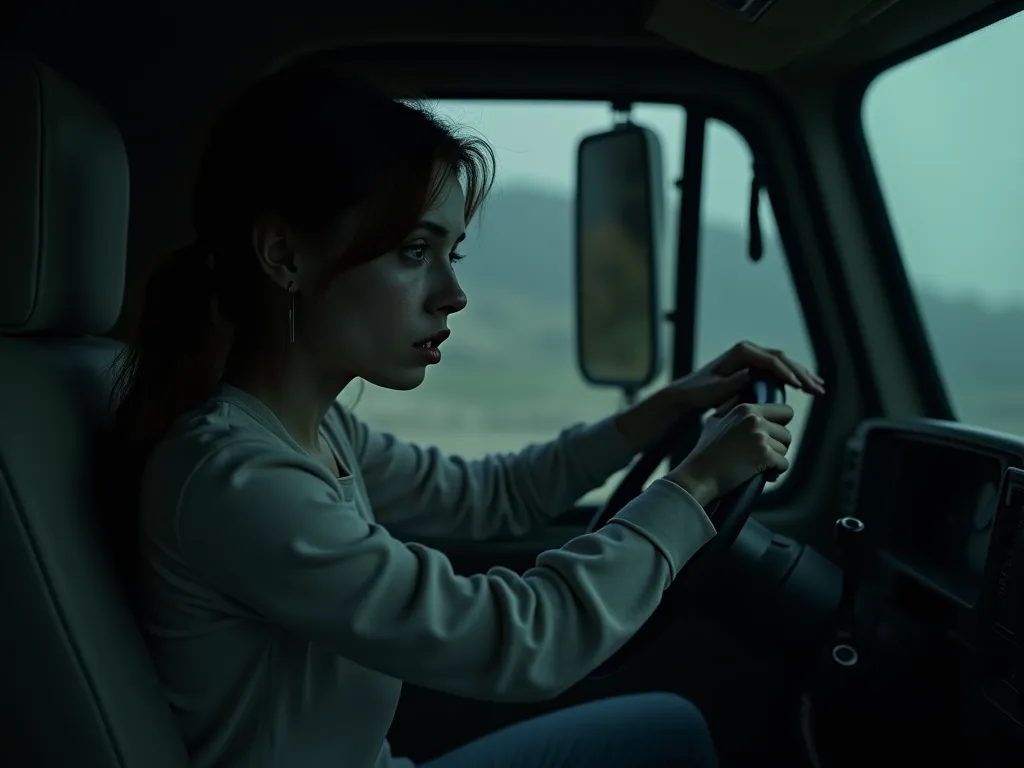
<point x="215" y="425"/>
<point x="220" y="454"/>
<point x="221" y="438"/>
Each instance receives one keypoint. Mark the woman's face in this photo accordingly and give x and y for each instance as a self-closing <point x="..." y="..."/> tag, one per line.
<point x="371" y="321"/>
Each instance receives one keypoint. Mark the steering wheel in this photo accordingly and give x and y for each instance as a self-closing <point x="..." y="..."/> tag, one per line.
<point x="729" y="515"/>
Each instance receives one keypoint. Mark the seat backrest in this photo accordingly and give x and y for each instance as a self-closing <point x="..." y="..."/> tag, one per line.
<point x="78" y="686"/>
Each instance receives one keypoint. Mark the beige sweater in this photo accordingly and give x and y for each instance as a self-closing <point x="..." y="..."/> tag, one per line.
<point x="285" y="607"/>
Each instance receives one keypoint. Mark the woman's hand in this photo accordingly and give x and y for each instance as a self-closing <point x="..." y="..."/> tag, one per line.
<point x="712" y="386"/>
<point x="745" y="441"/>
<point x="726" y="376"/>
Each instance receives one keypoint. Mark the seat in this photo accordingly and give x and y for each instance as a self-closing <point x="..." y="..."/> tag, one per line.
<point x="79" y="687"/>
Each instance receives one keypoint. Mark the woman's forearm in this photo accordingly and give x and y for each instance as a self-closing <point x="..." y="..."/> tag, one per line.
<point x="644" y="423"/>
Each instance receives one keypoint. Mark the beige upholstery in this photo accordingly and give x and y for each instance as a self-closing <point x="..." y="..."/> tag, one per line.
<point x="78" y="686"/>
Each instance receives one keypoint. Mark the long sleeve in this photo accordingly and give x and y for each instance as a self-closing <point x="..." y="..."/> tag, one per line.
<point x="272" y="531"/>
<point x="418" y="491"/>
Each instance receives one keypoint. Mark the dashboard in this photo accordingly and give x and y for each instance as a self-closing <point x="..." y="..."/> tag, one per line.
<point x="943" y="510"/>
<point x="930" y="494"/>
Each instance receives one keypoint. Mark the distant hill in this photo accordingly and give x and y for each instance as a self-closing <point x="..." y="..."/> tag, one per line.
<point x="979" y="344"/>
<point x="511" y="362"/>
<point x="521" y="251"/>
<point x="522" y="246"/>
<point x="521" y="243"/>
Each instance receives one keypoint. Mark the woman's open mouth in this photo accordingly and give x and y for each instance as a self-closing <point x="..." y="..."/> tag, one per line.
<point x="428" y="347"/>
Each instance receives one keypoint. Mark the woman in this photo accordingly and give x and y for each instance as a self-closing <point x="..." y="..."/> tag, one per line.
<point x="281" y="601"/>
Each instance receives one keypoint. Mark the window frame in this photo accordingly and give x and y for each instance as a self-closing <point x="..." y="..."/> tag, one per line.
<point x="796" y="258"/>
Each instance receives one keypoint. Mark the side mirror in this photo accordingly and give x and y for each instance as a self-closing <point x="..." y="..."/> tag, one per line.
<point x="619" y="200"/>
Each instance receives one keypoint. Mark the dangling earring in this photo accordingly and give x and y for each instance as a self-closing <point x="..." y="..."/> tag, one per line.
<point x="291" y="313"/>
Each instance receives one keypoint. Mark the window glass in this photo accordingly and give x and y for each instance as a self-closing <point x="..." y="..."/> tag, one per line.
<point x="509" y="375"/>
<point x="739" y="299"/>
<point x="946" y="131"/>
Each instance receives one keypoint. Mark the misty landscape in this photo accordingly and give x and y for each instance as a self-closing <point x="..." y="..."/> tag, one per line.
<point x="509" y="373"/>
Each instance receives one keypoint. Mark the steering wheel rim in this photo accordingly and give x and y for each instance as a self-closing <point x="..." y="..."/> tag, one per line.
<point x="729" y="514"/>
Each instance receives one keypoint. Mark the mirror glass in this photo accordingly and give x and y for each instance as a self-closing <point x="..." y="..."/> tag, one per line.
<point x="618" y="205"/>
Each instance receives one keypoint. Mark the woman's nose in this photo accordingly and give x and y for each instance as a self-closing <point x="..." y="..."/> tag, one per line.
<point x="449" y="297"/>
<point x="454" y="301"/>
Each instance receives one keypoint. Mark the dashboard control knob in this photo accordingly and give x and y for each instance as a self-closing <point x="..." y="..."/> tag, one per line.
<point x="845" y="655"/>
<point x="850" y="548"/>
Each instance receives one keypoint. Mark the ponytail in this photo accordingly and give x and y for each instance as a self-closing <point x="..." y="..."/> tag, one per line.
<point x="177" y="356"/>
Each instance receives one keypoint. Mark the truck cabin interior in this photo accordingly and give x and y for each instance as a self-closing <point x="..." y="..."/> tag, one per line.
<point x="870" y="607"/>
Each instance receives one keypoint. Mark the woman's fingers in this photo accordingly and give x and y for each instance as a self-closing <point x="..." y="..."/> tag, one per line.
<point x="809" y="382"/>
<point x="774" y="361"/>
<point x="779" y="434"/>
<point x="777" y="413"/>
<point x="723" y="409"/>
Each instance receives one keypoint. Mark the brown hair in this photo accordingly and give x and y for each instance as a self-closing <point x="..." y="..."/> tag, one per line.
<point x="307" y="145"/>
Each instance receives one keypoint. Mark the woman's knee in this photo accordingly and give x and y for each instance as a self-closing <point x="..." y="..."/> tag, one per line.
<point x="677" y="724"/>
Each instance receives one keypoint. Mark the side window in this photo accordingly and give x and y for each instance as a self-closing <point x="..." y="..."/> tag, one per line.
<point x="739" y="299"/>
<point x="945" y="131"/>
<point x="509" y="375"/>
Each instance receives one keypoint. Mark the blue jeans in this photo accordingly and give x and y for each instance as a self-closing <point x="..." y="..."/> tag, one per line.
<point x="646" y="730"/>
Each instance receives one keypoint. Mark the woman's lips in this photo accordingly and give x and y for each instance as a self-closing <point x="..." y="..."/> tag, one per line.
<point x="434" y="341"/>
<point x="428" y="347"/>
<point x="429" y="355"/>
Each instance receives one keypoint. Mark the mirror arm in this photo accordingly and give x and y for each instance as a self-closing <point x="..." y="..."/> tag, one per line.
<point x="622" y="113"/>
<point x="629" y="396"/>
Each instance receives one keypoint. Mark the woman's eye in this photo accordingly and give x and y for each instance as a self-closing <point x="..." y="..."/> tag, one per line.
<point x="420" y="251"/>
<point x="416" y="252"/>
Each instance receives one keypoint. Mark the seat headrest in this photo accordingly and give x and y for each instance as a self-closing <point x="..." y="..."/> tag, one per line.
<point x="63" y="205"/>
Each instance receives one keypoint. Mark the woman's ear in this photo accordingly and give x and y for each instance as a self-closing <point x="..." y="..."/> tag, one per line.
<point x="272" y="244"/>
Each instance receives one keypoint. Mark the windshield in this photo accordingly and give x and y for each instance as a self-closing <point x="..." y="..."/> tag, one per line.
<point x="946" y="131"/>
